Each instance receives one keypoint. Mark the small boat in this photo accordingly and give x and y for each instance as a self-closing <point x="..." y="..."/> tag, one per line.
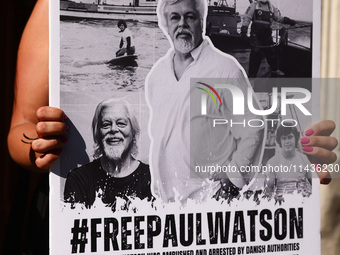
<point x="127" y="60"/>
<point x="222" y="18"/>
<point x="223" y="28"/>
<point x="137" y="10"/>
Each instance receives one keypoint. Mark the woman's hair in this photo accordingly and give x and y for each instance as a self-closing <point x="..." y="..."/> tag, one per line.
<point x="96" y="122"/>
<point x="283" y="131"/>
<point x="121" y="22"/>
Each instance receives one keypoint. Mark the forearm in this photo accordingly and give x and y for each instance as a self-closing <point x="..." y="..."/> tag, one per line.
<point x="31" y="86"/>
<point x="248" y="16"/>
<point x="48" y="132"/>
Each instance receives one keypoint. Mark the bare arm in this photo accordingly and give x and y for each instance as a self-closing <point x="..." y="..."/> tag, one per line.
<point x="248" y="16"/>
<point x="30" y="94"/>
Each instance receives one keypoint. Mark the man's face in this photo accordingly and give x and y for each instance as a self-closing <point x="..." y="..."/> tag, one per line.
<point x="184" y="26"/>
<point x="115" y="132"/>
<point x="288" y="143"/>
<point x="121" y="27"/>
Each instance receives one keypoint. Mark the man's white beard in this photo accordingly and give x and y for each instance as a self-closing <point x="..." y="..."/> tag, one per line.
<point x="115" y="153"/>
<point x="184" y="45"/>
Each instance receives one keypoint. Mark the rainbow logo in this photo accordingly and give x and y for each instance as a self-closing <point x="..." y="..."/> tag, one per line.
<point x="209" y="93"/>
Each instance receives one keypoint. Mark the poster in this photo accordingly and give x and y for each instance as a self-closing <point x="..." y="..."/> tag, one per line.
<point x="197" y="168"/>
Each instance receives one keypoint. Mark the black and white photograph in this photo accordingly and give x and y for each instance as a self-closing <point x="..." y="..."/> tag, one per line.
<point x="270" y="38"/>
<point x="285" y="168"/>
<point x="156" y="93"/>
<point x="116" y="169"/>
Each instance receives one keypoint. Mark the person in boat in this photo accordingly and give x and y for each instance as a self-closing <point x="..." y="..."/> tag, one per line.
<point x="125" y="45"/>
<point x="261" y="14"/>
<point x="300" y="179"/>
<point x="115" y="171"/>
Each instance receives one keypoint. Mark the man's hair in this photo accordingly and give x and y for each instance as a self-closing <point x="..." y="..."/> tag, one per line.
<point x="121" y="22"/>
<point x="201" y="7"/>
<point x="96" y="122"/>
<point x="283" y="131"/>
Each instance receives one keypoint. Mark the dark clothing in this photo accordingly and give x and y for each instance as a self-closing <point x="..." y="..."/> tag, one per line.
<point x="90" y="181"/>
<point x="262" y="15"/>
<point x="262" y="48"/>
<point x="127" y="51"/>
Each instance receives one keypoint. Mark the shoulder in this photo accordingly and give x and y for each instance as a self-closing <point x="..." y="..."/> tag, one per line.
<point x="274" y="160"/>
<point x="210" y="51"/>
<point x="303" y="157"/>
<point x="143" y="170"/>
<point x="143" y="167"/>
<point x="127" y="32"/>
<point x="227" y="64"/>
<point x="86" y="170"/>
<point x="272" y="8"/>
<point x="251" y="7"/>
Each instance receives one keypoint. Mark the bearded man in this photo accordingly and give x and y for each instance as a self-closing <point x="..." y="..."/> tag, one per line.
<point x="169" y="95"/>
<point x="115" y="171"/>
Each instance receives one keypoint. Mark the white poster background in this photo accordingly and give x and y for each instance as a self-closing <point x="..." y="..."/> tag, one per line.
<point x="62" y="218"/>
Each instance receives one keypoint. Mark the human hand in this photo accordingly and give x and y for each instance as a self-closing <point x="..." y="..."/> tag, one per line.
<point x="292" y="22"/>
<point x="51" y="130"/>
<point x="289" y="21"/>
<point x="318" y="145"/>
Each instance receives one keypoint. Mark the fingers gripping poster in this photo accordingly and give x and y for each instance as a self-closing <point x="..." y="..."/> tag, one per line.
<point x="187" y="121"/>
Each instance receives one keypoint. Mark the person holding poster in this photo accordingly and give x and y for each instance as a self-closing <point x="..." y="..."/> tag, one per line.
<point x="115" y="171"/>
<point x="46" y="127"/>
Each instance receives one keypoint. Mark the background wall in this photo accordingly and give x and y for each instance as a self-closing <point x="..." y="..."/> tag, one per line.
<point x="16" y="184"/>
<point x="330" y="68"/>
